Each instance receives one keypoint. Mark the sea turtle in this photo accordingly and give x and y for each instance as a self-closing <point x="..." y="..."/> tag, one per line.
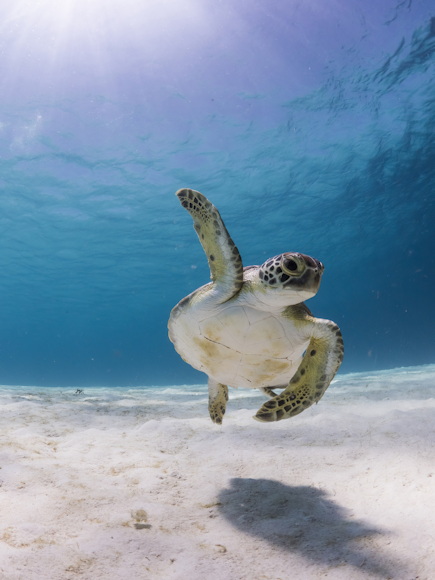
<point x="249" y="327"/>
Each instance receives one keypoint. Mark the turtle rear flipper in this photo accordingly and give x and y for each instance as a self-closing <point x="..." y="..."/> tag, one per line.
<point x="269" y="392"/>
<point x="217" y="400"/>
<point x="322" y="358"/>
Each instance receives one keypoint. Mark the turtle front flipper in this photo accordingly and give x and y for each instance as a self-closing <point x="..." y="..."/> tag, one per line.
<point x="217" y="400"/>
<point x="223" y="257"/>
<point x="321" y="361"/>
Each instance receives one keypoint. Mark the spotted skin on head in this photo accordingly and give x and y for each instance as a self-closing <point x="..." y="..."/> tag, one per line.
<point x="287" y="270"/>
<point x="223" y="257"/>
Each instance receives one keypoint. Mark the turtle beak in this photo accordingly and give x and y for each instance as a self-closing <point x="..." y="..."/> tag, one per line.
<point x="316" y="268"/>
<point x="319" y="267"/>
<point x="313" y="264"/>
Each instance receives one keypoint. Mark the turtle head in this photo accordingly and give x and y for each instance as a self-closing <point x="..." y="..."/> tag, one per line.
<point x="290" y="278"/>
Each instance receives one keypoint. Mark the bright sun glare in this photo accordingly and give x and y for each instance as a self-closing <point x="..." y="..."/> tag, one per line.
<point x="62" y="18"/>
<point x="55" y="32"/>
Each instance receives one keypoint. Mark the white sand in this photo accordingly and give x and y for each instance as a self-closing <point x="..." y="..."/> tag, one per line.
<point x="130" y="483"/>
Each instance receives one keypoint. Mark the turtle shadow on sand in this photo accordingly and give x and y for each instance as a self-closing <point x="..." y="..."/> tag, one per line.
<point x="303" y="520"/>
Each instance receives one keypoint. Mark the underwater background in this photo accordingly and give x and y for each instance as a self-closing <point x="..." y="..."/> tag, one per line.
<point x="309" y="124"/>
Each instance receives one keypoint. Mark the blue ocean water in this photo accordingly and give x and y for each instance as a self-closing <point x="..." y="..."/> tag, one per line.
<point x="310" y="126"/>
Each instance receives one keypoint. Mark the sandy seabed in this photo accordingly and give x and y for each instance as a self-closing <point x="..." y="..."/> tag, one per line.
<point x="138" y="483"/>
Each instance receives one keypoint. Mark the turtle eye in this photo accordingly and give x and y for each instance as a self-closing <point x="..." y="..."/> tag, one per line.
<point x="292" y="266"/>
